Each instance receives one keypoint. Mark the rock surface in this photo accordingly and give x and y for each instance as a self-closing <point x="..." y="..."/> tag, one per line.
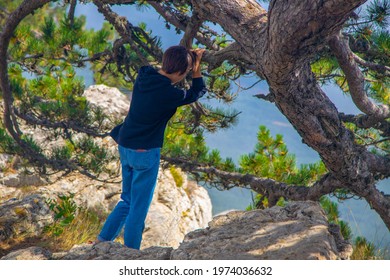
<point x="173" y="213"/>
<point x="298" y="231"/>
<point x="114" y="251"/>
<point x="31" y="253"/>
<point x="114" y="103"/>
<point x="25" y="216"/>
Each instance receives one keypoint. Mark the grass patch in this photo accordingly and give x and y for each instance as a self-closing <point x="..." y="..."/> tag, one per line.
<point x="365" y="250"/>
<point x="84" y="227"/>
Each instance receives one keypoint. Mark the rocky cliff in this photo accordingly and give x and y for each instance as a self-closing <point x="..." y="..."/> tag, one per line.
<point x="178" y="222"/>
<point x="297" y="231"/>
<point x="174" y="211"/>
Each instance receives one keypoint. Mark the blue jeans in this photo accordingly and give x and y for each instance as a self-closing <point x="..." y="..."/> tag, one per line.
<point x="139" y="176"/>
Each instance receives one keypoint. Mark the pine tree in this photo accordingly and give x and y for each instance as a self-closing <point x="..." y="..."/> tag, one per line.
<point x="43" y="43"/>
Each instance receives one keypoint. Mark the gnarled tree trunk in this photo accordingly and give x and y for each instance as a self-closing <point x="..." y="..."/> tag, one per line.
<point x="281" y="44"/>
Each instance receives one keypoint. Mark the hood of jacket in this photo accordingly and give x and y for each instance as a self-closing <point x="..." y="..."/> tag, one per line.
<point x="149" y="79"/>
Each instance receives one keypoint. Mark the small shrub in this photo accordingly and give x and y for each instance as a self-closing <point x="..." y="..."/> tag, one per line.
<point x="72" y="225"/>
<point x="177" y="177"/>
<point x="83" y="228"/>
<point x="64" y="212"/>
<point x="363" y="250"/>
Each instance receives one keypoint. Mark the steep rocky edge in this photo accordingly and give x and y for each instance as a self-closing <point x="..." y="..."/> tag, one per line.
<point x="297" y="231"/>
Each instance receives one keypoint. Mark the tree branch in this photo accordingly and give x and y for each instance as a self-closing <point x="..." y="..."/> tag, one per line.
<point x="267" y="187"/>
<point x="267" y="97"/>
<point x="72" y="10"/>
<point x="25" y="8"/>
<point x="128" y="31"/>
<point x="181" y="24"/>
<point x="191" y="30"/>
<point x="383" y="69"/>
<point x="364" y="121"/>
<point x="32" y="120"/>
<point x="233" y="53"/>
<point x="355" y="78"/>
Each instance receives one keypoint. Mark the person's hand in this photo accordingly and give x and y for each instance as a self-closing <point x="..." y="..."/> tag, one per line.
<point x="198" y="53"/>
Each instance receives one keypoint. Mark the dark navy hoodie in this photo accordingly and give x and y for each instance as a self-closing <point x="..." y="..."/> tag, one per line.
<point x="154" y="101"/>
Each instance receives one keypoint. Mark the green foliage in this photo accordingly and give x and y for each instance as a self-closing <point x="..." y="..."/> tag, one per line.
<point x="331" y="209"/>
<point x="64" y="152"/>
<point x="271" y="159"/>
<point x="7" y="143"/>
<point x="29" y="140"/>
<point x="363" y="250"/>
<point x="378" y="12"/>
<point x="84" y="227"/>
<point x="89" y="154"/>
<point x="260" y="201"/>
<point x="371" y="39"/>
<point x="178" y="143"/>
<point x="371" y="138"/>
<point x="65" y="210"/>
<point x="325" y="68"/>
<point x="72" y="224"/>
<point x="345" y="229"/>
<point x="219" y="82"/>
<point x="177" y="177"/>
<point x="332" y="212"/>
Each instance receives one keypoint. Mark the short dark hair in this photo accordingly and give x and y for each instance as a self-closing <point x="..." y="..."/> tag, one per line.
<point x="175" y="59"/>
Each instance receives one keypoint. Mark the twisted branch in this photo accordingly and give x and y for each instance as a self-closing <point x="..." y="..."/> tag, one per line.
<point x="355" y="78"/>
<point x="129" y="32"/>
<point x="268" y="187"/>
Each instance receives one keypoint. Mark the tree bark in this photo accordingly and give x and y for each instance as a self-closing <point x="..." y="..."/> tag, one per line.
<point x="355" y="79"/>
<point x="282" y="53"/>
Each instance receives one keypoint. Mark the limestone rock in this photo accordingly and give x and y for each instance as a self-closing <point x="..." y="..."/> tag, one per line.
<point x="175" y="211"/>
<point x="113" y="103"/>
<point x="31" y="253"/>
<point x="4" y="160"/>
<point x="297" y="231"/>
<point x="18" y="180"/>
<point x="113" y="251"/>
<point x="25" y="216"/>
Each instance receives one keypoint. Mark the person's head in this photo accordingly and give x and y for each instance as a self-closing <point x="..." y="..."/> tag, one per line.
<point x="177" y="61"/>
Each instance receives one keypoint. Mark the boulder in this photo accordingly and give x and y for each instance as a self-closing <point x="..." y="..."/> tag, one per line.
<point x="31" y="253"/>
<point x="299" y="231"/>
<point x="113" y="251"/>
<point x="26" y="216"/>
<point x="113" y="102"/>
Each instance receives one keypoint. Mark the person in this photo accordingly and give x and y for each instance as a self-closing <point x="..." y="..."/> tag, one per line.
<point x="140" y="137"/>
